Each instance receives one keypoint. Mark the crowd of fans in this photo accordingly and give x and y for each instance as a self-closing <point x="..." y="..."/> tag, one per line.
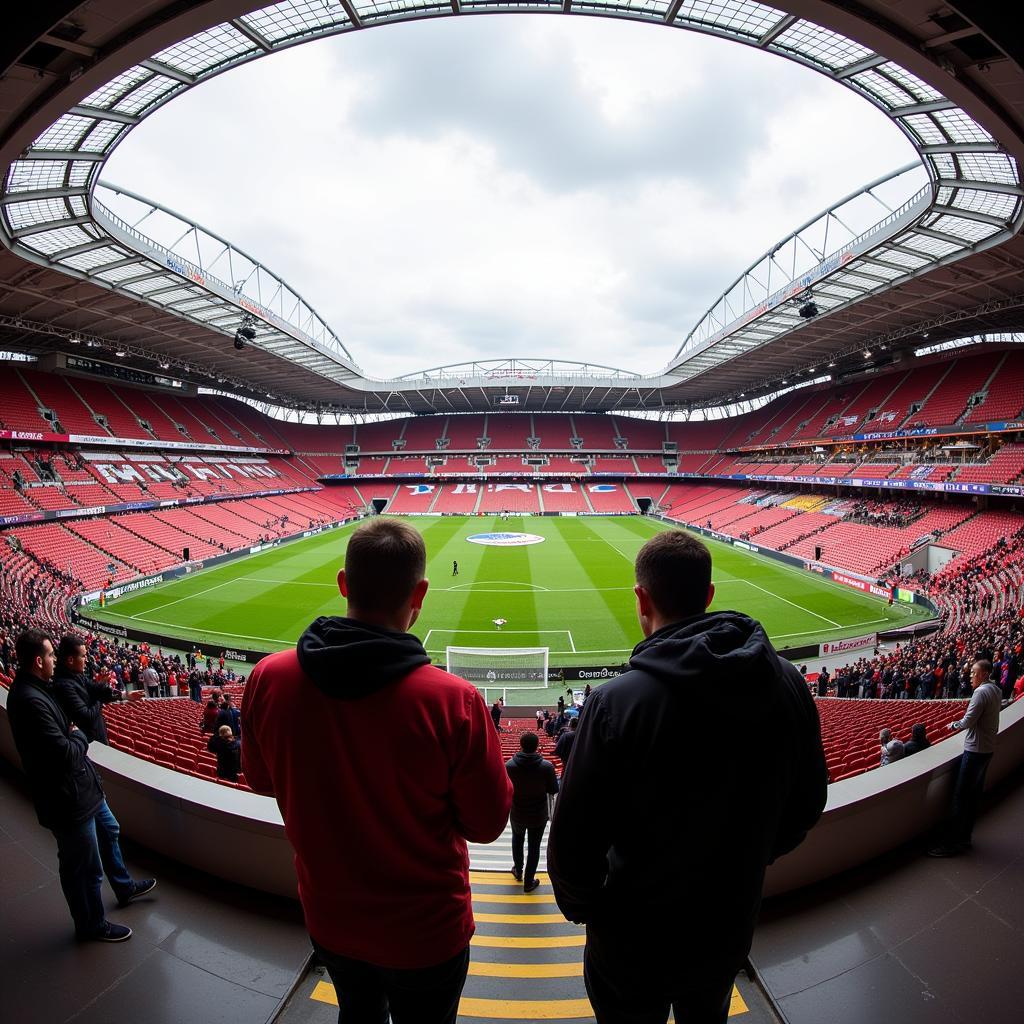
<point x="937" y="666"/>
<point x="897" y="513"/>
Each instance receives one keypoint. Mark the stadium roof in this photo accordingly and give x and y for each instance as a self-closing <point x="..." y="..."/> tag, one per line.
<point x="948" y="260"/>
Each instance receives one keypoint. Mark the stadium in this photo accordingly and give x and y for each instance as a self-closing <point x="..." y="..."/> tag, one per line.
<point x="186" y="446"/>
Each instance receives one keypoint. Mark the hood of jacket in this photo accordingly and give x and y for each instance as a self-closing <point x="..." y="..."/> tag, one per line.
<point x="348" y="659"/>
<point x="521" y="759"/>
<point x="715" y="645"/>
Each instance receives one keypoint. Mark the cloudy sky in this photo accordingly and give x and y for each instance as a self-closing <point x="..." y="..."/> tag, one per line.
<point x="474" y="188"/>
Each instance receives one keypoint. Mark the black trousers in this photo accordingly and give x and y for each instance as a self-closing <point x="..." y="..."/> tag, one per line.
<point x="368" y="994"/>
<point x="967" y="793"/>
<point x="533" y="834"/>
<point x="639" y="982"/>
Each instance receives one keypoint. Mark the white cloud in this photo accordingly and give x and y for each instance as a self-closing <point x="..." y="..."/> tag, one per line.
<point x="488" y="187"/>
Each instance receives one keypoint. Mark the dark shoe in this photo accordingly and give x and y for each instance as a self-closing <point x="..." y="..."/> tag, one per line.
<point x="533" y="883"/>
<point x="108" y="933"/>
<point x="948" y="850"/>
<point x="147" y="885"/>
<point x="518" y="873"/>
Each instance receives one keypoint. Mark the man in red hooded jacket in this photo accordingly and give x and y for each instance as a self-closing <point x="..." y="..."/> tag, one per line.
<point x="383" y="767"/>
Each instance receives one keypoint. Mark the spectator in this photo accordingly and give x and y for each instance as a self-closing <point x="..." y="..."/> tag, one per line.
<point x="540" y="720"/>
<point x="891" y="749"/>
<point x="67" y="794"/>
<point x="228" y="751"/>
<point x="230" y="716"/>
<point x="533" y="781"/>
<point x="563" y="748"/>
<point x="208" y="723"/>
<point x="918" y="739"/>
<point x="150" y="679"/>
<point x="80" y="698"/>
<point x="667" y="875"/>
<point x="981" y="726"/>
<point x="195" y="687"/>
<point x="496" y="714"/>
<point x="431" y="774"/>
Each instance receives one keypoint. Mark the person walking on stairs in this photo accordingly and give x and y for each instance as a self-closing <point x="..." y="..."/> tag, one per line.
<point x="533" y="784"/>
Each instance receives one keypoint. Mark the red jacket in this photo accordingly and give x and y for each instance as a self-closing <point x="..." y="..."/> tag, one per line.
<point x="379" y="792"/>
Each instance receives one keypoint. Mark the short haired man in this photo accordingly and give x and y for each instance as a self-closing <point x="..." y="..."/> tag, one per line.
<point x="663" y="830"/>
<point x="67" y="794"/>
<point x="150" y="679"/>
<point x="383" y="767"/>
<point x="80" y="698"/>
<point x="563" y="748"/>
<point x="533" y="782"/>
<point x="980" y="725"/>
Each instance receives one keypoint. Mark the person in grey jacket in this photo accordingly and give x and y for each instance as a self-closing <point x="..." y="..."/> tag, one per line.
<point x="660" y="840"/>
<point x="980" y="725"/>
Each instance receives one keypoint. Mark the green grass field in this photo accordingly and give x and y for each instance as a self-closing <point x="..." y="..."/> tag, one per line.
<point x="572" y="593"/>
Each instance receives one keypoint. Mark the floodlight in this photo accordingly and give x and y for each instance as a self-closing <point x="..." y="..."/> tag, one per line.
<point x="808" y="310"/>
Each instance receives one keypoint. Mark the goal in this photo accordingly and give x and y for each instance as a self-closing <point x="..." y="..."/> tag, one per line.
<point x="500" y="668"/>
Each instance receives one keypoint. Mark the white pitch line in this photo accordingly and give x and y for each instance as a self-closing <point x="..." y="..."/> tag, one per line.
<point x="778" y="597"/>
<point x="188" y="597"/>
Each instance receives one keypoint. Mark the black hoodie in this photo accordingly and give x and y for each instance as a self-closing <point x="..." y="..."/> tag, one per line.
<point x="690" y="773"/>
<point x="349" y="659"/>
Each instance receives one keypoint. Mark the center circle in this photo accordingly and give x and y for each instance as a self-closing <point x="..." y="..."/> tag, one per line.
<point x="505" y="540"/>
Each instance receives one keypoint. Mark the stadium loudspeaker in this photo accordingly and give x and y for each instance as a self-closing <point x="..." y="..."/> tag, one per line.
<point x="184" y="554"/>
<point x="817" y="553"/>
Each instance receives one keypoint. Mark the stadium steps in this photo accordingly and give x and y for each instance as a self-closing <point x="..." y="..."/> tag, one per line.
<point x="526" y="964"/>
<point x="540" y="498"/>
<point x="965" y="415"/>
<point x="898" y="381"/>
<point x="437" y="494"/>
<point x="927" y="398"/>
<point x="41" y="405"/>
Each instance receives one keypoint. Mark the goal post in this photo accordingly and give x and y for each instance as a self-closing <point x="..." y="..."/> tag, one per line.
<point x="500" y="668"/>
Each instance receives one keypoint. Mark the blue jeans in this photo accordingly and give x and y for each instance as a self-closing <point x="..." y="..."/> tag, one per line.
<point x="85" y="852"/>
<point x="368" y="994"/>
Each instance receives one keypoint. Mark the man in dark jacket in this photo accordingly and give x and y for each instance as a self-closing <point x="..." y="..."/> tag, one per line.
<point x="383" y="767"/>
<point x="667" y="872"/>
<point x="230" y="716"/>
<point x="67" y="794"/>
<point x="533" y="781"/>
<point x="563" y="748"/>
<point x="80" y="698"/>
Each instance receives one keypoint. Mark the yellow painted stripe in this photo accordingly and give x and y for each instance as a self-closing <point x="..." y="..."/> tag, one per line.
<point x="324" y="993"/>
<point x="499" y="878"/>
<point x="528" y="941"/>
<point x="529" y="1009"/>
<point x="492" y="970"/>
<point x="522" y="1009"/>
<point x="520" y="918"/>
<point x="501" y="897"/>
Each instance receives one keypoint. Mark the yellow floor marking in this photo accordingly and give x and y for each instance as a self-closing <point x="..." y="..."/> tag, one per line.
<point x="486" y="969"/>
<point x="528" y="941"/>
<point x="520" y="918"/>
<point x="529" y="1009"/>
<point x="324" y="993"/>
<point x="499" y="878"/>
<point x="501" y="897"/>
<point x="522" y="1009"/>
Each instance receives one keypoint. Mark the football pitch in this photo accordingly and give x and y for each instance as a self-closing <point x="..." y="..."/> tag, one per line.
<point x="571" y="591"/>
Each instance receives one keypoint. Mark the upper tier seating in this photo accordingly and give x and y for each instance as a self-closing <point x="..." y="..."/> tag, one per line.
<point x="597" y="432"/>
<point x="967" y="376"/>
<point x="874" y="396"/>
<point x="1005" y="397"/>
<point x="509" y="430"/>
<point x="462" y="431"/>
<point x="59" y="394"/>
<point x="641" y="435"/>
<point x="913" y="389"/>
<point x="554" y="431"/>
<point x="422" y="433"/>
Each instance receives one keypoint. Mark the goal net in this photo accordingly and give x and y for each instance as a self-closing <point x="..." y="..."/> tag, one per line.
<point x="500" y="668"/>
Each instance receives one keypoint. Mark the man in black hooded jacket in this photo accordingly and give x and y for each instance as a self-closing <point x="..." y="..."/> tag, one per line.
<point x="67" y="794"/>
<point x="663" y="830"/>
<point x="80" y="698"/>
